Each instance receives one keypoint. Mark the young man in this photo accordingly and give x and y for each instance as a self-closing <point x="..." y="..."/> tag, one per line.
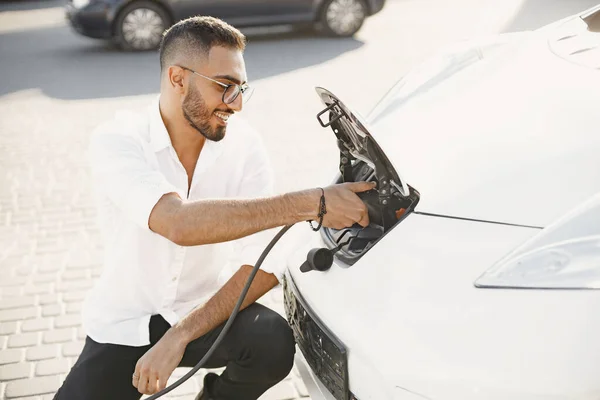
<point x="170" y="196"/>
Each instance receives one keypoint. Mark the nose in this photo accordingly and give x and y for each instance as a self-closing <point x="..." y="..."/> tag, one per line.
<point x="237" y="104"/>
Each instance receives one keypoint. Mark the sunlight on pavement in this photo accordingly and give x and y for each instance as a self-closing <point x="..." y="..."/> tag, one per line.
<point x="18" y="21"/>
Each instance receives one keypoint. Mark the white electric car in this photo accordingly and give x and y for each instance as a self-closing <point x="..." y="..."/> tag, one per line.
<point x="478" y="276"/>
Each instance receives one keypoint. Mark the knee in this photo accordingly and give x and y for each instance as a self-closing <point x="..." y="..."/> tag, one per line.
<point x="277" y="346"/>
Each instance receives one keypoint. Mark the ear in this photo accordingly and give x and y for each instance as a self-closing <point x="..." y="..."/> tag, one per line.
<point x="176" y="78"/>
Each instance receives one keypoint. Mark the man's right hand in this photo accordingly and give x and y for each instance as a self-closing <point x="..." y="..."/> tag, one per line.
<point x="344" y="208"/>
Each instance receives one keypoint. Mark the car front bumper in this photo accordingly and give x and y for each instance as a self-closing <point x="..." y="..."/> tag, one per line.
<point x="316" y="390"/>
<point x="324" y="354"/>
<point x="323" y="360"/>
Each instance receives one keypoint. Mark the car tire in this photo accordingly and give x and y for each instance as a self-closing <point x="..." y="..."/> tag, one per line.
<point x="342" y="18"/>
<point x="140" y="26"/>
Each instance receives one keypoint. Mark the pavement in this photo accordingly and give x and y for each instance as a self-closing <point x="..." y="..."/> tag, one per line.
<point x="56" y="87"/>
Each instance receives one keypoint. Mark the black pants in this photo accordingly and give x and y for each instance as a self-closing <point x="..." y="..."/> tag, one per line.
<point x="258" y="352"/>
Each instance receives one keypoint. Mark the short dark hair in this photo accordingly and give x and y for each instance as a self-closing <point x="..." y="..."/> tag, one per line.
<point x="196" y="36"/>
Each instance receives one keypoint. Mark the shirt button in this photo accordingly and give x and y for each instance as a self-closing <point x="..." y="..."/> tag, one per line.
<point x="174" y="279"/>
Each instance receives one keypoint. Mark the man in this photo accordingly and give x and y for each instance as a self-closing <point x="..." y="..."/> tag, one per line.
<point x="175" y="199"/>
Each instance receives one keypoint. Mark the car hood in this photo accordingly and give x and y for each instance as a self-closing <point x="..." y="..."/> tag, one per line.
<point x="506" y="132"/>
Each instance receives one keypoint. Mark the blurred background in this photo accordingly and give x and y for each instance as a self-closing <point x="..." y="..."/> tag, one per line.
<point x="57" y="85"/>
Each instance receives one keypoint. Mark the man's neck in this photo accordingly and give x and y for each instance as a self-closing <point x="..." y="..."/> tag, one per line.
<point x="186" y="140"/>
<point x="187" y="144"/>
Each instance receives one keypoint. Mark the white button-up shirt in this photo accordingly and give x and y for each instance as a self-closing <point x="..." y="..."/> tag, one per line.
<point x="133" y="165"/>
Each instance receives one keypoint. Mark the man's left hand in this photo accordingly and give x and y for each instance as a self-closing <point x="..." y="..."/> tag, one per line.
<point x="156" y="366"/>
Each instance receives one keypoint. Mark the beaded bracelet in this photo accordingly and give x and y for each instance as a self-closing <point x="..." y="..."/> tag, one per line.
<point x="322" y="212"/>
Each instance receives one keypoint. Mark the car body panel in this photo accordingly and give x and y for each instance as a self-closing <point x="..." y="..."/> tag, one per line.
<point x="509" y="112"/>
<point x="440" y="337"/>
<point x="246" y="12"/>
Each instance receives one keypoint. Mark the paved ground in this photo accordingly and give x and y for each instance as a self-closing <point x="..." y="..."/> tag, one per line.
<point x="56" y="87"/>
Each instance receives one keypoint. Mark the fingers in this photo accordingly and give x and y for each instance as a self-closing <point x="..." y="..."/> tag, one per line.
<point x="364" y="220"/>
<point x="142" y="386"/>
<point x="135" y="380"/>
<point x="358" y="214"/>
<point x="358" y="187"/>
<point x="162" y="382"/>
<point x="147" y="381"/>
<point x="152" y="384"/>
<point x="357" y="210"/>
<point x="344" y="207"/>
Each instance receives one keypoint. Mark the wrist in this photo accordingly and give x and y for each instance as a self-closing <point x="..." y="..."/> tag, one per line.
<point x="305" y="204"/>
<point x="179" y="335"/>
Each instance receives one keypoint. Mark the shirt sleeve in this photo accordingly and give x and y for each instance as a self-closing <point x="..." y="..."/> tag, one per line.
<point x="259" y="182"/>
<point x="121" y="172"/>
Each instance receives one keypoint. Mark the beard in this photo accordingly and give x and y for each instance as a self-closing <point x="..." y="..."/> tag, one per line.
<point x="197" y="114"/>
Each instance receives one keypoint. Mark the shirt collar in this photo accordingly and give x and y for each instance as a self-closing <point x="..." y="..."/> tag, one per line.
<point x="159" y="137"/>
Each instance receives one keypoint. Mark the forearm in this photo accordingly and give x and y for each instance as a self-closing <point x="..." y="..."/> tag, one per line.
<point x="218" y="309"/>
<point x="215" y="221"/>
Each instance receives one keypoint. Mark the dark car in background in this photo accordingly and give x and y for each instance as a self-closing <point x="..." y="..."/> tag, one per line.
<point x="139" y="24"/>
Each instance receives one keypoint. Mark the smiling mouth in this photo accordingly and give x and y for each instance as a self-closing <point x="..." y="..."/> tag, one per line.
<point x="222" y="116"/>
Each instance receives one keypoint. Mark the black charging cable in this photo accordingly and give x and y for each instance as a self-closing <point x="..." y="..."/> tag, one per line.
<point x="234" y="313"/>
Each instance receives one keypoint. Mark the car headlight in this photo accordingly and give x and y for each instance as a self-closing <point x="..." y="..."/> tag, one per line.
<point x="565" y="255"/>
<point x="572" y="264"/>
<point x="80" y="3"/>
